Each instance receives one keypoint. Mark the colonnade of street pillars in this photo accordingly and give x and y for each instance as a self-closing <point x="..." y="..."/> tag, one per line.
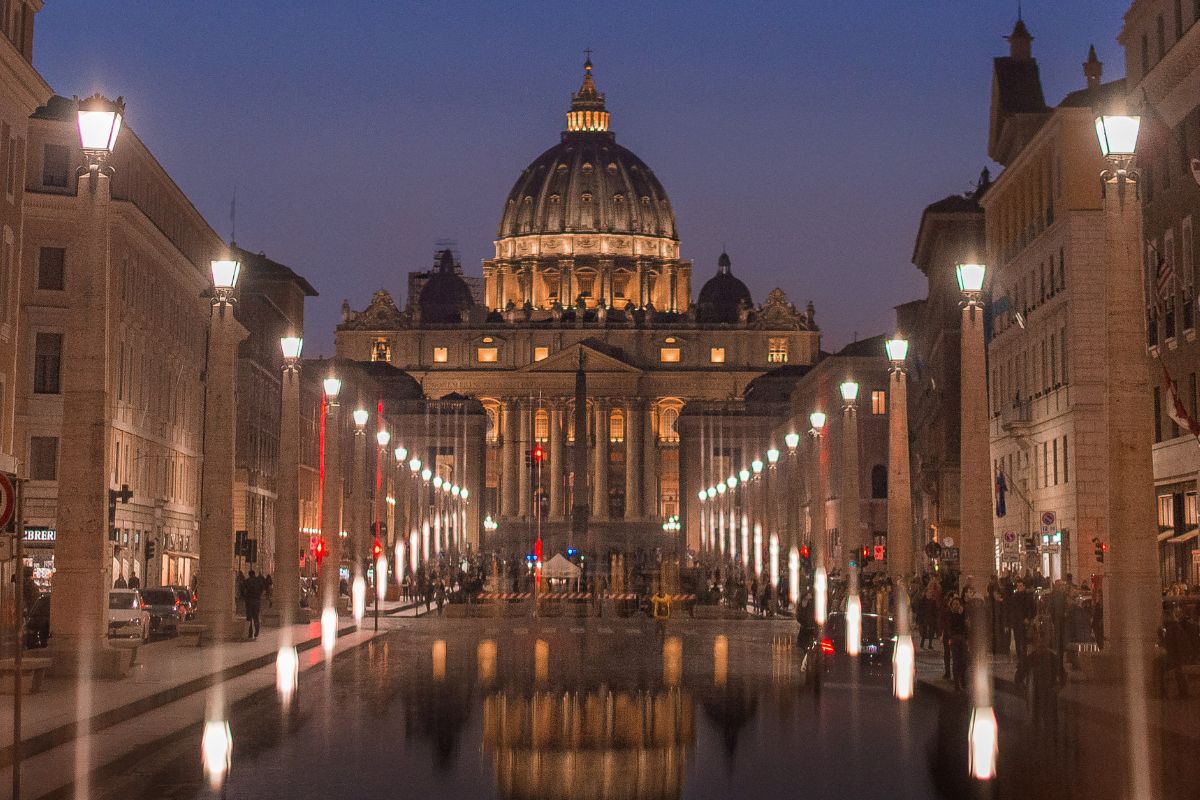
<point x="396" y="513"/>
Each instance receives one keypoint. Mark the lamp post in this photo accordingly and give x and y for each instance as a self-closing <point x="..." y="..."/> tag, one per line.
<point x="216" y="581"/>
<point x="286" y="580"/>
<point x="331" y="496"/>
<point x="358" y="496"/>
<point x="899" y="500"/>
<point x="816" y="420"/>
<point x="850" y="513"/>
<point x="977" y="554"/>
<point x="1131" y="581"/>
<point x="83" y="553"/>
<point x="792" y="500"/>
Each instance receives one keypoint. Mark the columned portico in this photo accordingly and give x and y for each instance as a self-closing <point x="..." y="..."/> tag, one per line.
<point x="600" y="462"/>
<point x="508" y="478"/>
<point x="523" y="471"/>
<point x="649" y="465"/>
<point x="634" y="428"/>
<point x="557" y="432"/>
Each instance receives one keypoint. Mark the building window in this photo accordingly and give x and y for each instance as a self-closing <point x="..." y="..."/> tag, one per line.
<point x="1066" y="461"/>
<point x="43" y="458"/>
<point x="666" y="429"/>
<point x="47" y="363"/>
<point x="668" y="355"/>
<point x="381" y="350"/>
<point x="541" y="353"/>
<point x="1166" y="511"/>
<point x="878" y="402"/>
<point x="1055" y="451"/>
<point x="56" y="161"/>
<point x="541" y="425"/>
<point x="716" y="355"/>
<point x="777" y="350"/>
<point x="51" y="264"/>
<point x="487" y="355"/>
<point x="441" y="355"/>
<point x="616" y="425"/>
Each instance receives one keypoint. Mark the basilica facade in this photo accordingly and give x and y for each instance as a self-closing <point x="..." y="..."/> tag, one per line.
<point x="587" y="270"/>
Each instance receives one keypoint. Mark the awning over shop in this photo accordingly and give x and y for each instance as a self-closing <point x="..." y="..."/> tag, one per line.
<point x="1164" y="535"/>
<point x="1185" y="537"/>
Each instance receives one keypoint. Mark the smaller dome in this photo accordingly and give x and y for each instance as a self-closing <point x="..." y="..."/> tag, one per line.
<point x="723" y="296"/>
<point x="445" y="295"/>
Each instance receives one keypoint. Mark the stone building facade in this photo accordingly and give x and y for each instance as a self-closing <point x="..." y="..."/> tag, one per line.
<point x="587" y="267"/>
<point x="1044" y="220"/>
<point x="1162" y="66"/>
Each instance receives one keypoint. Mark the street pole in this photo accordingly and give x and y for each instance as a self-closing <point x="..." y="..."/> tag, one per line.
<point x="899" y="500"/>
<point x="850" y="513"/>
<point x="216" y="590"/>
<point x="1131" y="584"/>
<point x="286" y="582"/>
<point x="331" y="498"/>
<point x="977" y="549"/>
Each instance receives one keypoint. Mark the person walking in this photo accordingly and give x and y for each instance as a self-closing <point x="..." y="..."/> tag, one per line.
<point x="252" y="592"/>
<point x="956" y="636"/>
<point x="1020" y="611"/>
<point x="1042" y="672"/>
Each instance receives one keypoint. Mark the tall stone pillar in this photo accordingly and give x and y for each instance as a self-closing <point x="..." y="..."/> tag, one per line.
<point x="508" y="462"/>
<point x="600" y="463"/>
<point x="216" y="514"/>
<point x="1132" y="602"/>
<point x="524" y="444"/>
<point x="359" y="498"/>
<point x="640" y="277"/>
<point x="816" y="499"/>
<point x="566" y="290"/>
<point x="650" y="498"/>
<point x="331" y="506"/>
<point x="286" y="579"/>
<point x="83" y="553"/>
<point x="849" y="513"/>
<point x="556" y="460"/>
<point x="475" y="476"/>
<point x="977" y="552"/>
<point x="900" y="518"/>
<point x="634" y="428"/>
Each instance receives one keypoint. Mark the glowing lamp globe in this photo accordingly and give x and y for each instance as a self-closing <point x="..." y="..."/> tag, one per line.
<point x="360" y="417"/>
<point x="792" y="440"/>
<point x="744" y="475"/>
<point x="897" y="349"/>
<point x="291" y="346"/>
<point x="773" y="455"/>
<point x="99" y="120"/>
<point x="712" y="492"/>
<point x="731" y="481"/>
<point x="721" y="488"/>
<point x="225" y="272"/>
<point x="415" y="465"/>
<point x="970" y="277"/>
<point x="817" y="420"/>
<point x="401" y="453"/>
<point x="1117" y="134"/>
<point x="333" y="388"/>
<point x="756" y="465"/>
<point x="383" y="437"/>
<point x="849" y="391"/>
<point x="702" y="495"/>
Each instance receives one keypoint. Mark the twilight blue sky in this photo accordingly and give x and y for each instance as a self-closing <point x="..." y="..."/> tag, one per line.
<point x="807" y="136"/>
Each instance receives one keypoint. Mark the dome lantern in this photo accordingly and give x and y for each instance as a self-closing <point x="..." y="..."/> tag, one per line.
<point x="587" y="114"/>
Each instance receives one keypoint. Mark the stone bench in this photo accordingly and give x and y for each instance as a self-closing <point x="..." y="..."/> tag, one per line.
<point x="192" y="634"/>
<point x="33" y="670"/>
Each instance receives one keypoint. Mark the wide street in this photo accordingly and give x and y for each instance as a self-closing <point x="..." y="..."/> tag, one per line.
<point x="605" y="708"/>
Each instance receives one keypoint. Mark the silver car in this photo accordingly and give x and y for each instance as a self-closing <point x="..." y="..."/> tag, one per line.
<point x="127" y="615"/>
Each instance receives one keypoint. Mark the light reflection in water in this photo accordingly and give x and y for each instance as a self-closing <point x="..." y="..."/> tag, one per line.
<point x="485" y="656"/>
<point x="672" y="660"/>
<point x="720" y="660"/>
<point x="439" y="660"/>
<point x="541" y="661"/>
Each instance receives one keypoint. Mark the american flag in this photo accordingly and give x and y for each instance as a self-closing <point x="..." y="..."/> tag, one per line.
<point x="1165" y="278"/>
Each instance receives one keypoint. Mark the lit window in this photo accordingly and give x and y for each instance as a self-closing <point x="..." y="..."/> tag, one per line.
<point x="666" y="429"/>
<point x="440" y="355"/>
<point x="541" y="425"/>
<point x="381" y="350"/>
<point x="668" y="355"/>
<point x="1189" y="510"/>
<point x="1166" y="511"/>
<point x="541" y="353"/>
<point x="777" y="350"/>
<point x="616" y="426"/>
<point x="878" y="403"/>
<point x="717" y="355"/>
<point x="487" y="355"/>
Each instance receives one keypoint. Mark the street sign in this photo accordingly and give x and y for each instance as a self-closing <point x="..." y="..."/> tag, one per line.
<point x="1010" y="542"/>
<point x="8" y="501"/>
<point x="878" y="553"/>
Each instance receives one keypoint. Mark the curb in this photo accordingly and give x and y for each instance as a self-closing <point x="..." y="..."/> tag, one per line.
<point x="50" y="739"/>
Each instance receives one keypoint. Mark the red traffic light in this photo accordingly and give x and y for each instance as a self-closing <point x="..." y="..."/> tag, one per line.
<point x="804" y="552"/>
<point x="319" y="550"/>
<point x="376" y="550"/>
<point x="537" y="453"/>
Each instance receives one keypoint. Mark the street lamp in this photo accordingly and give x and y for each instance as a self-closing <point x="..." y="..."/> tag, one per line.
<point x="99" y="121"/>
<point x="1131" y="582"/>
<point x="817" y="514"/>
<point x="383" y="437"/>
<point x="225" y="273"/>
<point x="286" y="579"/>
<point x="756" y="465"/>
<point x="743" y="475"/>
<point x="711" y="492"/>
<point x="970" y="282"/>
<point x="850" y="516"/>
<point x="849" y="390"/>
<point x="897" y="351"/>
<point x="731" y="481"/>
<point x="817" y="420"/>
<point x="773" y="456"/>
<point x="401" y="453"/>
<point x="977" y="550"/>
<point x="900" y="529"/>
<point x="414" y="465"/>
<point x="360" y="417"/>
<point x="333" y="387"/>
<point x="792" y="440"/>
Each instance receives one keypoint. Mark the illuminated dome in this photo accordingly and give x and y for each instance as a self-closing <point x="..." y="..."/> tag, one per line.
<point x="587" y="183"/>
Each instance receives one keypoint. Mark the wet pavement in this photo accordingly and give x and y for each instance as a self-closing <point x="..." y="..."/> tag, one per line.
<point x="597" y="709"/>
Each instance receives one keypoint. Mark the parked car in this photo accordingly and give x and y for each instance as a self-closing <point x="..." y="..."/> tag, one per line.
<point x="165" y="609"/>
<point x="127" y="619"/>
<point x="37" y="625"/>
<point x="188" y="600"/>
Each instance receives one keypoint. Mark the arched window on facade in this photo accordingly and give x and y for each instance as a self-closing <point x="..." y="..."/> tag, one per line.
<point x="879" y="480"/>
<point x="541" y="425"/>
<point x="616" y="425"/>
<point x="381" y="350"/>
<point x="666" y="426"/>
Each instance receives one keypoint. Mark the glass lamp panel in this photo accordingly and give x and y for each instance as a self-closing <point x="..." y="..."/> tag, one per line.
<point x="970" y="277"/>
<point x="897" y="349"/>
<point x="225" y="273"/>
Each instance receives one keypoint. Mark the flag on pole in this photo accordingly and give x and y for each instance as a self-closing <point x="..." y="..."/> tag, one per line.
<point x="1176" y="409"/>
<point x="1165" y="278"/>
<point x="1001" y="490"/>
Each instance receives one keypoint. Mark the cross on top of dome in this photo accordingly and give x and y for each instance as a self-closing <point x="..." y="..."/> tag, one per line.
<point x="587" y="112"/>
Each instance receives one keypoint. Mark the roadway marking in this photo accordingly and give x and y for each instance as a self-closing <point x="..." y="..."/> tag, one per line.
<point x="605" y="630"/>
<point x="576" y="630"/>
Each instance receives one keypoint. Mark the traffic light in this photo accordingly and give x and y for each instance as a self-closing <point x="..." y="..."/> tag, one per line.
<point x="804" y="553"/>
<point x="866" y="554"/>
<point x="319" y="550"/>
<point x="149" y="549"/>
<point x="1100" y="549"/>
<point x="538" y="454"/>
<point x="376" y="550"/>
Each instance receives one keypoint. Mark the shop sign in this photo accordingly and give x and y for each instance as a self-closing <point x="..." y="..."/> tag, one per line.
<point x="40" y="537"/>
